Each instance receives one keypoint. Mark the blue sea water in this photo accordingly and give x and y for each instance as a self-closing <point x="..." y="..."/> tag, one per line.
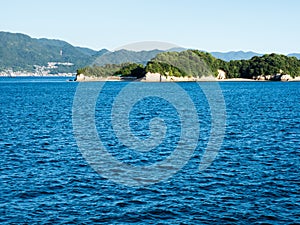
<point x="45" y="179"/>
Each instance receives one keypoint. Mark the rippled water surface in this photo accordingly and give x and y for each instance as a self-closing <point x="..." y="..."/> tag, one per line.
<point x="254" y="179"/>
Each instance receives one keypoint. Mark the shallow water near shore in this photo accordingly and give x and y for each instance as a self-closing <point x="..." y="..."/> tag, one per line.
<point x="44" y="178"/>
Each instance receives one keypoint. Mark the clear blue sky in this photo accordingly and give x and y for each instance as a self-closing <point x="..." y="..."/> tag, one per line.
<point x="213" y="25"/>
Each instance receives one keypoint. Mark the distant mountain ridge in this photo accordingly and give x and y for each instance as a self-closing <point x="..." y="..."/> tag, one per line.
<point x="297" y="55"/>
<point x="21" y="52"/>
<point x="123" y="56"/>
<point x="228" y="56"/>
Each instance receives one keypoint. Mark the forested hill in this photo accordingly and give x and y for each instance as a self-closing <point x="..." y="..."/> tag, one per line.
<point x="21" y="52"/>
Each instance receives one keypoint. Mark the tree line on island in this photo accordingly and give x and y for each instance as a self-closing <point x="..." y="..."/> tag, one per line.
<point x="195" y="63"/>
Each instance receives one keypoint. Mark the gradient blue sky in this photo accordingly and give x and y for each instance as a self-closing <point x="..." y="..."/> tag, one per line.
<point x="213" y="25"/>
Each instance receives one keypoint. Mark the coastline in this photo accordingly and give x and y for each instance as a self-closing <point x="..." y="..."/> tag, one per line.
<point x="199" y="80"/>
<point x="162" y="79"/>
<point x="35" y="75"/>
<point x="82" y="78"/>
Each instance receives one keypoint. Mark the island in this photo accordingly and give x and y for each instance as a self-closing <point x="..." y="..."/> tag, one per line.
<point x="195" y="65"/>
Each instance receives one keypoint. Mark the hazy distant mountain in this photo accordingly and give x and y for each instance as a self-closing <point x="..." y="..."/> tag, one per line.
<point x="123" y="56"/>
<point x="176" y="49"/>
<point x="297" y="55"/>
<point x="227" y="56"/>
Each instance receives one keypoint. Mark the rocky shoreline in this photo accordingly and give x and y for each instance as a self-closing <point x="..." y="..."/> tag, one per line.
<point x="156" y="77"/>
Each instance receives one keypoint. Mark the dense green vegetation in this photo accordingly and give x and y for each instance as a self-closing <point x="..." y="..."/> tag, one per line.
<point x="269" y="64"/>
<point x="197" y="64"/>
<point x="187" y="63"/>
<point x="122" y="70"/>
<point x="164" y="68"/>
<point x="131" y="70"/>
